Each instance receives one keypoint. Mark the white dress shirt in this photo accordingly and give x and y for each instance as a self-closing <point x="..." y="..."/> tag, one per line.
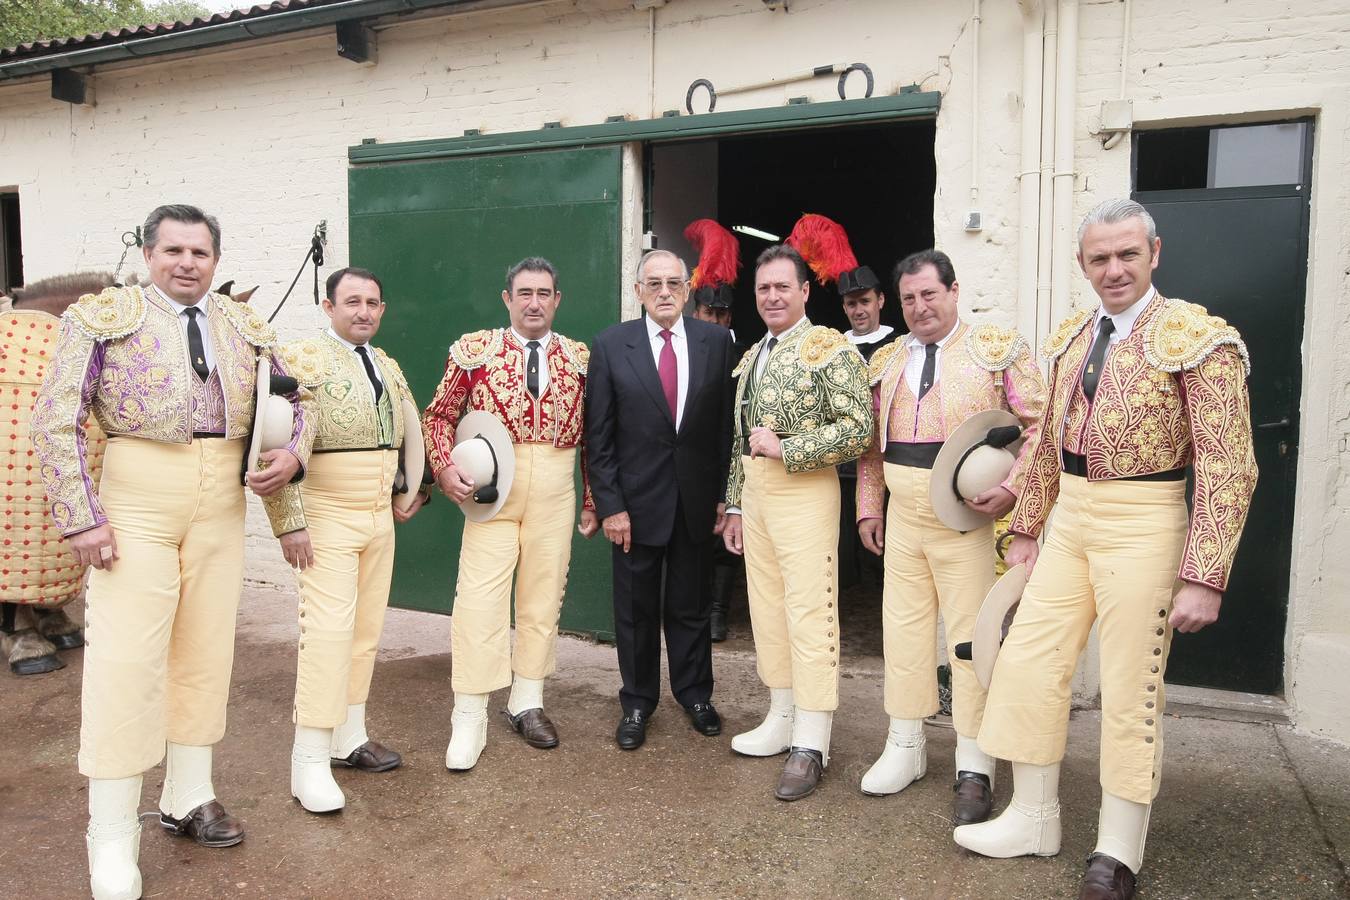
<point x="914" y="362"/>
<point x="374" y="363"/>
<point x="208" y="351"/>
<point x="543" y="358"/>
<point x="680" y="344"/>
<point x="1123" y="320"/>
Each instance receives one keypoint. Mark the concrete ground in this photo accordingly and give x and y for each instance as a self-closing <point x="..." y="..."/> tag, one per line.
<point x="1246" y="810"/>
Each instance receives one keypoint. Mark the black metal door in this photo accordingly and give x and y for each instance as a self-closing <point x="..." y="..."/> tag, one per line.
<point x="1242" y="253"/>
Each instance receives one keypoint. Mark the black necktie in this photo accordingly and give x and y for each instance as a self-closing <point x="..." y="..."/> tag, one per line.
<point x="370" y="372"/>
<point x="1092" y="372"/>
<point x="532" y="370"/>
<point x="752" y="385"/>
<point x="195" y="347"/>
<point x="929" y="369"/>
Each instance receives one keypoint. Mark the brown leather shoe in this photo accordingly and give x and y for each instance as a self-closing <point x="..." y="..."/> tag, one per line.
<point x="370" y="757"/>
<point x="209" y="825"/>
<point x="1106" y="879"/>
<point x="800" y="775"/>
<point x="535" y="727"/>
<point x="974" y="798"/>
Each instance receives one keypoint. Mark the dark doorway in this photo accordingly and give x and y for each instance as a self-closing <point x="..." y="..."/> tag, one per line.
<point x="875" y="180"/>
<point x="1232" y="207"/>
<point x="878" y="182"/>
<point x="11" y="248"/>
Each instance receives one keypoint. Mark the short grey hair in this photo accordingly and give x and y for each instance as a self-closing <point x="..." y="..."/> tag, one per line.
<point x="535" y="264"/>
<point x="179" y="212"/>
<point x="1110" y="212"/>
<point x="650" y="254"/>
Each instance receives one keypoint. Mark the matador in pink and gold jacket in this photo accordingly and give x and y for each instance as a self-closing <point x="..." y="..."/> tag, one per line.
<point x="980" y="368"/>
<point x="1172" y="394"/>
<point x="108" y="361"/>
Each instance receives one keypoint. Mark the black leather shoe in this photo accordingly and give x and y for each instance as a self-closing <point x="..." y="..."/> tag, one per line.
<point x="705" y="719"/>
<point x="535" y="727"/>
<point x="1106" y="878"/>
<point x="632" y="730"/>
<point x="209" y="825"/>
<point x="974" y="798"/>
<point x="801" y="774"/>
<point x="370" y="757"/>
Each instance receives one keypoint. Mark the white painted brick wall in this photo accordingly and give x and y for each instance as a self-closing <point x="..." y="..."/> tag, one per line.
<point x="258" y="135"/>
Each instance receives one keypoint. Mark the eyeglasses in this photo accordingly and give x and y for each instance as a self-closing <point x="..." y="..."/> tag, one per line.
<point x="674" y="285"/>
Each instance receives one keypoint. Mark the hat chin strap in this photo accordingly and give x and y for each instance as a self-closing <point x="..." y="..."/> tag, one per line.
<point x="998" y="438"/>
<point x="488" y="492"/>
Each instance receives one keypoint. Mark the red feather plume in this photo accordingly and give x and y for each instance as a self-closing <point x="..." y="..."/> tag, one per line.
<point x="719" y="253"/>
<point x="824" y="245"/>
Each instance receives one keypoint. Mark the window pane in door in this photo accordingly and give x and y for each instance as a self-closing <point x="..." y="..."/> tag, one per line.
<point x="1256" y="154"/>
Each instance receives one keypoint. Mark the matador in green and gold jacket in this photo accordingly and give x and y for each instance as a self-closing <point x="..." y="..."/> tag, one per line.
<point x="346" y="416"/>
<point x="813" y="393"/>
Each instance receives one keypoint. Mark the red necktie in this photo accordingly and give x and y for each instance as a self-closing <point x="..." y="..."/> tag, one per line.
<point x="670" y="379"/>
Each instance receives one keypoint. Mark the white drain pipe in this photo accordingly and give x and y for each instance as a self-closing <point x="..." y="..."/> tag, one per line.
<point x="1066" y="106"/>
<point x="1029" y="177"/>
<point x="1044" y="237"/>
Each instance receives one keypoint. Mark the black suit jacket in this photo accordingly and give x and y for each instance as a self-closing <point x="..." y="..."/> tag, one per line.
<point x="637" y="461"/>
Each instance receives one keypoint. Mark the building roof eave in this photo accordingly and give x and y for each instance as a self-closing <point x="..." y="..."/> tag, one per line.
<point x="94" y="50"/>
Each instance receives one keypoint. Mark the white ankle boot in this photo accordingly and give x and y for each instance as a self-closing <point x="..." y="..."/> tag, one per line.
<point x="351" y="733"/>
<point x="1030" y="824"/>
<point x="187" y="780"/>
<point x="1122" y="828"/>
<point x="774" y="735"/>
<point x="114" y="838"/>
<point x="468" y="731"/>
<point x="311" y="772"/>
<point x="903" y="761"/>
<point x="811" y="731"/>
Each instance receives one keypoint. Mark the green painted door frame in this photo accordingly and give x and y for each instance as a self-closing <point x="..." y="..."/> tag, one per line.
<point x="440" y="220"/>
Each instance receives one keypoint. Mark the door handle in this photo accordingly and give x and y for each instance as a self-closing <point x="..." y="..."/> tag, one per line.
<point x="1283" y="423"/>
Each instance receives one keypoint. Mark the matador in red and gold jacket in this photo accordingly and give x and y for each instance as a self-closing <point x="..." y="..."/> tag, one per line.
<point x="529" y="537"/>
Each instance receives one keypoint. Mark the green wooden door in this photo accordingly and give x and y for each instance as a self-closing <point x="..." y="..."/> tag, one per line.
<point x="440" y="234"/>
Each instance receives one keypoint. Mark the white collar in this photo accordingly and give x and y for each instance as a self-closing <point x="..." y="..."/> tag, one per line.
<point x="871" y="337"/>
<point x="1125" y="319"/>
<point x="543" y="341"/>
<point x="913" y="341"/>
<point x="346" y="343"/>
<point x="654" y="330"/>
<point x="180" y="308"/>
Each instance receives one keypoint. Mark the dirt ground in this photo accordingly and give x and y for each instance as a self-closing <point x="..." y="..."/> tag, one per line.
<point x="1246" y="810"/>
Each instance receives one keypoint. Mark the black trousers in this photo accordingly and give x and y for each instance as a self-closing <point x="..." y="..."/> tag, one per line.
<point x="666" y="588"/>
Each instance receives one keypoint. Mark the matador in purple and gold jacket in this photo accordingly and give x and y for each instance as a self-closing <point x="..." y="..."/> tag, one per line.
<point x="107" y="362"/>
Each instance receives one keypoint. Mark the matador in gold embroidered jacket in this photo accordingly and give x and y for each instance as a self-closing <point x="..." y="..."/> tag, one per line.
<point x="981" y="367"/>
<point x="109" y="360"/>
<point x="1172" y="394"/>
<point x="346" y="414"/>
<point x="486" y="371"/>
<point x="812" y="393"/>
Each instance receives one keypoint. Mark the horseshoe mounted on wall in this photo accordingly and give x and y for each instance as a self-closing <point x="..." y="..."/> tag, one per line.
<point x="856" y="67"/>
<point x="712" y="94"/>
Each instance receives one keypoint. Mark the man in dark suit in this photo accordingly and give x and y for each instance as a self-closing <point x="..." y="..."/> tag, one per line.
<point x="658" y="436"/>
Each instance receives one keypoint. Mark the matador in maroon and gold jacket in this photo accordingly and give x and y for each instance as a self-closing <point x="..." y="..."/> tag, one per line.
<point x="486" y="371"/>
<point x="1172" y="394"/>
